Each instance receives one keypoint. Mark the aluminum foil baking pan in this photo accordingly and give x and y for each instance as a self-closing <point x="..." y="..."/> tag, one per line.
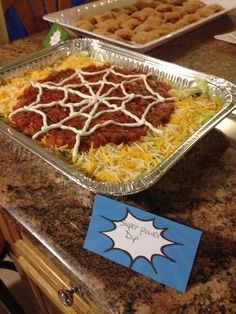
<point x="124" y="58"/>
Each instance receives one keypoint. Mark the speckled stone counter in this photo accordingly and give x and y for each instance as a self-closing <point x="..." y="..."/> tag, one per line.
<point x="199" y="191"/>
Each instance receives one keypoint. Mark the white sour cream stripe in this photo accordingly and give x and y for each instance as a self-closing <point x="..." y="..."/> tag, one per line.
<point x="92" y="100"/>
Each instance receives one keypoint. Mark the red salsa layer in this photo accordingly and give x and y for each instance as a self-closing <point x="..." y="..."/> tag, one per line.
<point x="70" y="97"/>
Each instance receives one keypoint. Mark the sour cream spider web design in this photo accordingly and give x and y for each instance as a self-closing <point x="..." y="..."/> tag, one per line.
<point x="104" y="92"/>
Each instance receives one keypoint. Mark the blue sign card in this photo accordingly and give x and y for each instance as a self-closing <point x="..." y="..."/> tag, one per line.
<point x="154" y="246"/>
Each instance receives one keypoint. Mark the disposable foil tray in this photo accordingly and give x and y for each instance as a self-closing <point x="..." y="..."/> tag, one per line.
<point x="132" y="60"/>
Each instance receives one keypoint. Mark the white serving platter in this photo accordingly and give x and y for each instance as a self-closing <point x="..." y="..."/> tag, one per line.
<point x="68" y="18"/>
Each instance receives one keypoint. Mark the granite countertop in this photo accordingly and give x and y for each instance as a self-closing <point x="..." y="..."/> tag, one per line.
<point x="56" y="212"/>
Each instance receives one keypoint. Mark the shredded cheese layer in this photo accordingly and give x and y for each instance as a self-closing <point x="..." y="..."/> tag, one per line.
<point x="121" y="163"/>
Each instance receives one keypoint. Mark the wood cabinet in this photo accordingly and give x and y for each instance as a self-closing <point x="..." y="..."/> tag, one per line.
<point x="43" y="279"/>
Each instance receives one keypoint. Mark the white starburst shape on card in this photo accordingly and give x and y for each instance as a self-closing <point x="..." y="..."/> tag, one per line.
<point x="55" y="38"/>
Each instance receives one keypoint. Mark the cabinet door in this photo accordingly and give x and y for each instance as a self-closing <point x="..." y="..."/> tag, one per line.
<point x="44" y="278"/>
<point x="45" y="289"/>
<point x="47" y="276"/>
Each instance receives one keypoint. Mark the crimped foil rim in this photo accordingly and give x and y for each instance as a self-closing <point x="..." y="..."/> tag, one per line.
<point x="107" y="52"/>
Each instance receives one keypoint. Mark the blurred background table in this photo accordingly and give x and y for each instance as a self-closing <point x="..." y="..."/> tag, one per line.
<point x="197" y="49"/>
